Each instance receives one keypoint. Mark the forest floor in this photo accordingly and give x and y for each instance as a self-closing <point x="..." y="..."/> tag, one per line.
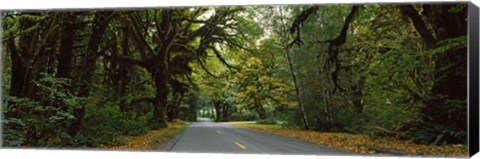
<point x="360" y="143"/>
<point x="153" y="138"/>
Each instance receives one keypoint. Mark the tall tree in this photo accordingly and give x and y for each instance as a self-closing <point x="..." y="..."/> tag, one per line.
<point x="99" y="24"/>
<point x="449" y="91"/>
<point x="181" y="34"/>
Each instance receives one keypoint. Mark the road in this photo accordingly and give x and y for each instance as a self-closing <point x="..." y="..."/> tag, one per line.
<point x="206" y="136"/>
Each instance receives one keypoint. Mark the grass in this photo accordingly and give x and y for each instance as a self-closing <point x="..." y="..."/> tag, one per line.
<point x="153" y="138"/>
<point x="361" y="143"/>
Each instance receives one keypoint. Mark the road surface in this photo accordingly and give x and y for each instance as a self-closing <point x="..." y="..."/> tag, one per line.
<point x="209" y="137"/>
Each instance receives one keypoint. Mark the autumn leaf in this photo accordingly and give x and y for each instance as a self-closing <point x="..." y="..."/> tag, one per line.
<point x="153" y="138"/>
<point x="361" y="143"/>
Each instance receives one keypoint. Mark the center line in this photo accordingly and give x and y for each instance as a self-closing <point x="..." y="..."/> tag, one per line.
<point x="219" y="132"/>
<point x="240" y="145"/>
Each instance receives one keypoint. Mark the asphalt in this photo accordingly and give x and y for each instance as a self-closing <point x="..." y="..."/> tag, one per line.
<point x="206" y="136"/>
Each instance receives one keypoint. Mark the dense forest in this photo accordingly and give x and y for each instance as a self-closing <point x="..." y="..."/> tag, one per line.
<point x="87" y="78"/>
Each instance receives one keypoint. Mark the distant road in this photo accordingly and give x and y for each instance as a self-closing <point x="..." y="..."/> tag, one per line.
<point x="209" y="137"/>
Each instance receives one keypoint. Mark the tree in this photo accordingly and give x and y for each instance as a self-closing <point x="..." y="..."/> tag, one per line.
<point x="88" y="62"/>
<point x="454" y="53"/>
<point x="449" y="90"/>
<point x="176" y="34"/>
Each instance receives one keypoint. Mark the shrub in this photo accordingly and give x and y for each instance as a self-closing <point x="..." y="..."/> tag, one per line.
<point x="43" y="121"/>
<point x="293" y="120"/>
<point x="443" y="126"/>
<point x="268" y="121"/>
<point x="105" y="125"/>
<point x="243" y="116"/>
<point x="12" y="137"/>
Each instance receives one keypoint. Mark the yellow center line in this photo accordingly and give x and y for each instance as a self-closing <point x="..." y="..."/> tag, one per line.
<point x="240" y="145"/>
<point x="219" y="132"/>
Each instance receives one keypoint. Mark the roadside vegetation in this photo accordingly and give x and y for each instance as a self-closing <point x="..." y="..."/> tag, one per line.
<point x="359" y="143"/>
<point x="152" y="139"/>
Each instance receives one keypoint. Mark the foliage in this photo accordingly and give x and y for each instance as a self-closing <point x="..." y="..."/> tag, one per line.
<point x="244" y="116"/>
<point x="268" y="121"/>
<point x="447" y="131"/>
<point x="44" y="119"/>
<point x="114" y="125"/>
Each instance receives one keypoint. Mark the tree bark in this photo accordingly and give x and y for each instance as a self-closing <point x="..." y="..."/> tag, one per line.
<point x="260" y="110"/>
<point x="419" y="25"/>
<point x="357" y="95"/>
<point x="160" y="101"/>
<point x="450" y="83"/>
<point x="327" y="110"/>
<point x="125" y="79"/>
<point x="88" y="65"/>
<point x="297" y="91"/>
<point x="225" y="113"/>
<point x="65" y="56"/>
<point x="173" y="109"/>
<point x="217" y="104"/>
<point x="21" y="56"/>
<point x="297" y="22"/>
<point x="18" y="69"/>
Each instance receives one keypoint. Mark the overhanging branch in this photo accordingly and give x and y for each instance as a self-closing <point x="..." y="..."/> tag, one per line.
<point x="205" y="68"/>
<point x="298" y="22"/>
<point x="220" y="57"/>
<point x="427" y="37"/>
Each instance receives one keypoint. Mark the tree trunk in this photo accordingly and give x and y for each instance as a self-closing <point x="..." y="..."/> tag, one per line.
<point x="285" y="34"/>
<point x="22" y="81"/>
<point x="123" y="88"/>
<point x="65" y="56"/>
<point x="124" y="70"/>
<point x="328" y="119"/>
<point x="226" y="108"/>
<point x="357" y="96"/>
<point x="18" y="69"/>
<point x="218" y="109"/>
<point x="297" y="91"/>
<point x="450" y="83"/>
<point x="88" y="65"/>
<point x="260" y="110"/>
<point x="174" y="106"/>
<point x="177" y="105"/>
<point x="160" y="101"/>
<point x="33" y="55"/>
<point x="192" y="115"/>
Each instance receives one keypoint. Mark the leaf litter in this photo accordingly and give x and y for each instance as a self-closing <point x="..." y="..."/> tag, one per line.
<point x="363" y="144"/>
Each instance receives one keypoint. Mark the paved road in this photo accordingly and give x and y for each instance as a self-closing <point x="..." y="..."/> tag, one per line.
<point x="209" y="137"/>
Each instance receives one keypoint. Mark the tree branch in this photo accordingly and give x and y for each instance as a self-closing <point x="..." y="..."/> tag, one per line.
<point x="205" y="68"/>
<point x="335" y="43"/>
<point x="298" y="22"/>
<point x="342" y="38"/>
<point x="220" y="57"/>
<point x="419" y="24"/>
<point x="139" y="40"/>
